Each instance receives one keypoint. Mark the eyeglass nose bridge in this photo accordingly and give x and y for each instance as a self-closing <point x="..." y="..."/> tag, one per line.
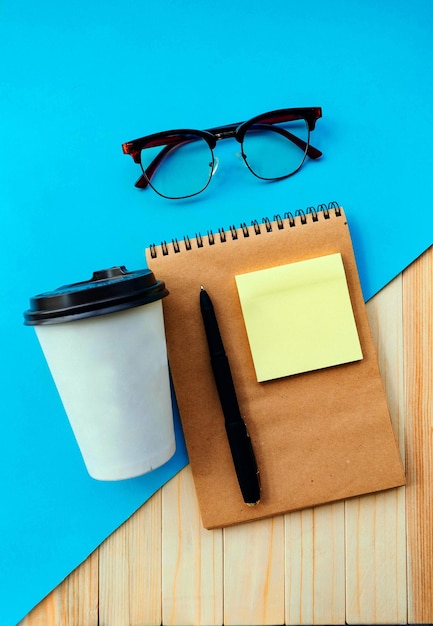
<point x="225" y="133"/>
<point x="231" y="131"/>
<point x="239" y="154"/>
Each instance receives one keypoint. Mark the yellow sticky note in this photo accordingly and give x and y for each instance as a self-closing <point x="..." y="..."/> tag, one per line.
<point x="299" y="317"/>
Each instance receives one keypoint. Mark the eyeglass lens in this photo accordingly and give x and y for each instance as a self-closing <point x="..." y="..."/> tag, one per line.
<point x="274" y="151"/>
<point x="185" y="170"/>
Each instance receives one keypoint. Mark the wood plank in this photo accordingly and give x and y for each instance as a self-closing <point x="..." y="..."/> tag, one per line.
<point x="314" y="547"/>
<point x="130" y="570"/>
<point x="254" y="573"/>
<point x="375" y="556"/>
<point x="192" y="587"/>
<point x="375" y="524"/>
<point x="418" y="346"/>
<point x="74" y="601"/>
<point x="385" y="314"/>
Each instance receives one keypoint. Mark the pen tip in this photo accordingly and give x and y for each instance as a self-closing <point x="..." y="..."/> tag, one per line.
<point x="201" y="288"/>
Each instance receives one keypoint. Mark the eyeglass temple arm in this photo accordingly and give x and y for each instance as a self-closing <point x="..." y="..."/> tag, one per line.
<point x="143" y="181"/>
<point x="224" y="132"/>
<point x="312" y="152"/>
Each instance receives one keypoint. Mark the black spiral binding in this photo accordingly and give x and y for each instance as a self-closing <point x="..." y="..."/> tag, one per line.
<point x="322" y="211"/>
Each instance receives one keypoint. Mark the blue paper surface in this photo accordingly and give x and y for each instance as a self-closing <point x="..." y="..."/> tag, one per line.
<point x="77" y="81"/>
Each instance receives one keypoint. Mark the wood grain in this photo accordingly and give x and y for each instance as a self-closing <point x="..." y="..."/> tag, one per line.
<point x="418" y="353"/>
<point x="74" y="601"/>
<point x="192" y="588"/>
<point x="314" y="548"/>
<point x="337" y="563"/>
<point x="130" y="570"/>
<point x="254" y="573"/>
<point x="376" y="524"/>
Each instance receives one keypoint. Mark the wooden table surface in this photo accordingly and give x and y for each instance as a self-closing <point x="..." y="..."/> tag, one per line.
<point x="365" y="560"/>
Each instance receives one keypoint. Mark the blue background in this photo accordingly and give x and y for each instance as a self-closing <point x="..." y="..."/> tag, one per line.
<point x="78" y="80"/>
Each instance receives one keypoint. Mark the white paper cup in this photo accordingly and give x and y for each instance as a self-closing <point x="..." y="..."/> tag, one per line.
<point x="104" y="342"/>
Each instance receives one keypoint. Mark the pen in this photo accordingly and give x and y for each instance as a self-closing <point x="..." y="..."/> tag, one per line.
<point x="237" y="433"/>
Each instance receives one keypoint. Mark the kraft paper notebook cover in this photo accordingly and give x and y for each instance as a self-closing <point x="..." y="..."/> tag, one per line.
<point x="318" y="436"/>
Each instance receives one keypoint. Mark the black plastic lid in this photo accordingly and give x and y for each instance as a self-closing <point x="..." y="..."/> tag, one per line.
<point x="109" y="290"/>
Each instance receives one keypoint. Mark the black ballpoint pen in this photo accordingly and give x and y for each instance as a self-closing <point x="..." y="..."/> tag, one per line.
<point x="237" y="433"/>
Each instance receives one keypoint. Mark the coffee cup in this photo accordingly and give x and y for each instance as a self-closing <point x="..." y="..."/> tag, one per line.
<point x="104" y="342"/>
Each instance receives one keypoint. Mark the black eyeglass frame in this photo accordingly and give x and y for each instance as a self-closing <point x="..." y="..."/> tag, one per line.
<point x="171" y="139"/>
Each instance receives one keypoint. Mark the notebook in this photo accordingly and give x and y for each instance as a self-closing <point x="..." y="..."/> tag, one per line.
<point x="321" y="432"/>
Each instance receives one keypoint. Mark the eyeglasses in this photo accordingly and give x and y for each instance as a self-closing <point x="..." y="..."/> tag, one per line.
<point x="180" y="163"/>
